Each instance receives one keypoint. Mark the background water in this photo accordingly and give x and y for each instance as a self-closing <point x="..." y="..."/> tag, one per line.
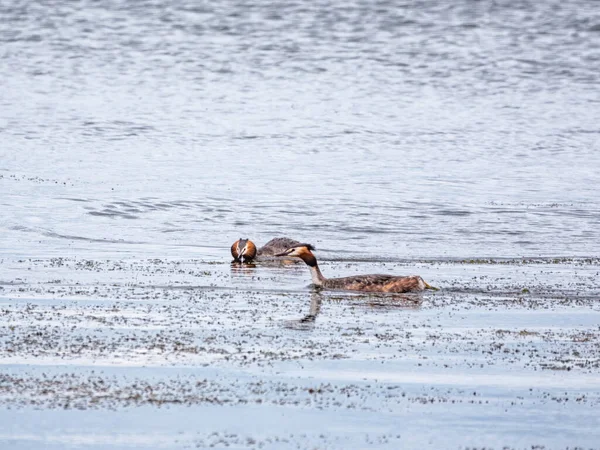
<point x="379" y="129"/>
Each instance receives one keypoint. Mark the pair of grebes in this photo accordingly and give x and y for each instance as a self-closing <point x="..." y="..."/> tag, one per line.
<point x="244" y="251"/>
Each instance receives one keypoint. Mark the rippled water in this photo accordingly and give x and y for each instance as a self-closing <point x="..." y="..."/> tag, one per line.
<point x="394" y="129"/>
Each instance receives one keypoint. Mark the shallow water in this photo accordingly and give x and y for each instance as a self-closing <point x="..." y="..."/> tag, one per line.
<point x="455" y="140"/>
<point x="195" y="353"/>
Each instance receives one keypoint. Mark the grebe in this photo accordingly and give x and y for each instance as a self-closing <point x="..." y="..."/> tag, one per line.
<point x="365" y="283"/>
<point x="244" y="250"/>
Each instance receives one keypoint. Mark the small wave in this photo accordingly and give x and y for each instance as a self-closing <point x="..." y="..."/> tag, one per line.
<point x="52" y="234"/>
<point x="111" y="213"/>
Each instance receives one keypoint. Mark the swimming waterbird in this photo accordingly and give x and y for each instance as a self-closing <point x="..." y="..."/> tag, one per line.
<point x="364" y="283"/>
<point x="244" y="250"/>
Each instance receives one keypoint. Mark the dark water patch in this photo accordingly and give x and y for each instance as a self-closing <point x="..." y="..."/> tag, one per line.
<point x="88" y="239"/>
<point x="12" y="283"/>
<point x="174" y="230"/>
<point x="52" y="234"/>
<point x="116" y="129"/>
<point x="448" y="212"/>
<point x="112" y="214"/>
<point x="80" y="200"/>
<point x="360" y="230"/>
<point x="132" y="209"/>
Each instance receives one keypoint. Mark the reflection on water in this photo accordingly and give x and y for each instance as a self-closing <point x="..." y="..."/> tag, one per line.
<point x="307" y="322"/>
<point x="315" y="307"/>
<point x="372" y="130"/>
<point x="242" y="268"/>
<point x="378" y="301"/>
<point x="382" y="301"/>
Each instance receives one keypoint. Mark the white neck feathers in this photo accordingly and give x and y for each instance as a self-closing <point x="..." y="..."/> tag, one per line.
<point x="317" y="276"/>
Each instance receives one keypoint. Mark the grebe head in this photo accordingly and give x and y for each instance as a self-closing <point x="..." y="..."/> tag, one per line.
<point x="298" y="250"/>
<point x="243" y="250"/>
<point x="304" y="252"/>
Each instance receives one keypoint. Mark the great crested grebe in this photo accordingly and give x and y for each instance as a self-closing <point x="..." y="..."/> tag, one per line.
<point x="244" y="250"/>
<point x="365" y="283"/>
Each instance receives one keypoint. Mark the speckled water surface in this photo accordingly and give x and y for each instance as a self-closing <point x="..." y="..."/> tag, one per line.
<point x="455" y="140"/>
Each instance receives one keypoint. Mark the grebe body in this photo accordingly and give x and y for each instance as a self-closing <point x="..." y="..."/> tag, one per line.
<point x="277" y="246"/>
<point x="364" y="283"/>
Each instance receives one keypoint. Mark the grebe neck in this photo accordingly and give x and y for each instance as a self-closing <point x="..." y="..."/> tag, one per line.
<point x="315" y="272"/>
<point x="317" y="276"/>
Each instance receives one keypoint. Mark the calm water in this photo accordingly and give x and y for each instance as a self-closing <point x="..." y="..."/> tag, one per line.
<point x="380" y="129"/>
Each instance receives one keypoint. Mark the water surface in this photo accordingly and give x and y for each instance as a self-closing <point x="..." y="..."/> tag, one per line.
<point x="435" y="129"/>
<point x="458" y="140"/>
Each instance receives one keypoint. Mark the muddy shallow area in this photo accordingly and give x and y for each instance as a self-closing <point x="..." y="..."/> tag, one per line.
<point x="196" y="353"/>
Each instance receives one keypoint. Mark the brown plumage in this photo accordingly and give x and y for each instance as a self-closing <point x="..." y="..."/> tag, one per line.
<point x="243" y="250"/>
<point x="276" y="246"/>
<point x="376" y="283"/>
<point x="364" y="283"/>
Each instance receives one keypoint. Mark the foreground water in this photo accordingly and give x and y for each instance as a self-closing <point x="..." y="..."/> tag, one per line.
<point x="454" y="140"/>
<point x="195" y="353"/>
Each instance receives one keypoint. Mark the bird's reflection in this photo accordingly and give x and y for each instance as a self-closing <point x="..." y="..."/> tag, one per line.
<point x="393" y="301"/>
<point x="382" y="302"/>
<point x="241" y="268"/>
<point x="306" y="322"/>
<point x="316" y="298"/>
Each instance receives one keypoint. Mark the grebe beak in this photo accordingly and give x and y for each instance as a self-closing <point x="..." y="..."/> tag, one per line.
<point x="285" y="253"/>
<point x="428" y="286"/>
